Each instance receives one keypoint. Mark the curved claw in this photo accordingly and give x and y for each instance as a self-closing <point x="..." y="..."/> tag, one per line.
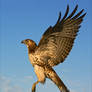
<point x="34" y="86"/>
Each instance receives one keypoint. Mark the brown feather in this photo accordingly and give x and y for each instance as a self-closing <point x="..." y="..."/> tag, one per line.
<point x="57" y="41"/>
<point x="53" y="48"/>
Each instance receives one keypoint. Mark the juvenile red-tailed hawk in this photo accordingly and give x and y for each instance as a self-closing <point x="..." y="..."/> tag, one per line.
<point x="53" y="48"/>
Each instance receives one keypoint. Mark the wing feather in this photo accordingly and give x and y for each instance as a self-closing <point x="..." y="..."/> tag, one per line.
<point x="57" y="41"/>
<point x="66" y="13"/>
<point x="73" y="12"/>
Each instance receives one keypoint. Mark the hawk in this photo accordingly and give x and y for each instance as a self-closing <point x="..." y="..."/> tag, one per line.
<point x="54" y="46"/>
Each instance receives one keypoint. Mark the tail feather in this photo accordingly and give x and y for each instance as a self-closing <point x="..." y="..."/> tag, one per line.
<point x="51" y="74"/>
<point x="59" y="83"/>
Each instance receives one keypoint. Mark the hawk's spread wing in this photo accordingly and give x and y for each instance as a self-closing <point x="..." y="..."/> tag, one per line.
<point x="57" y="41"/>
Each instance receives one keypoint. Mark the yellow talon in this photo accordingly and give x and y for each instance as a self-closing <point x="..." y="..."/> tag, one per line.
<point x="34" y="86"/>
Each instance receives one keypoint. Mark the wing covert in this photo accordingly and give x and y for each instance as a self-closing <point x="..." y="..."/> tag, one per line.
<point x="57" y="41"/>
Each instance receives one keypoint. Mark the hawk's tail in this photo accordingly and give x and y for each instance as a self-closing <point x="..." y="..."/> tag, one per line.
<point x="51" y="74"/>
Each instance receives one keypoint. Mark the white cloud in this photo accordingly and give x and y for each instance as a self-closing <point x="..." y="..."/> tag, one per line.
<point x="6" y="85"/>
<point x="28" y="77"/>
<point x="24" y="84"/>
<point x="77" y="86"/>
<point x="13" y="85"/>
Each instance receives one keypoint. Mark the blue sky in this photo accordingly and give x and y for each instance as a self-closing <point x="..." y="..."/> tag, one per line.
<point x="21" y="19"/>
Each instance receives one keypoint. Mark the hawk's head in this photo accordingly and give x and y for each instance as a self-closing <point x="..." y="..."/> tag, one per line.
<point x="30" y="44"/>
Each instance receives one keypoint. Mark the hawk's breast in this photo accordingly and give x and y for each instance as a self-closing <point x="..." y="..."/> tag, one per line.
<point x="32" y="59"/>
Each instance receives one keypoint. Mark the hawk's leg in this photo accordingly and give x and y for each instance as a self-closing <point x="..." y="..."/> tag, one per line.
<point x="40" y="75"/>
<point x="34" y="86"/>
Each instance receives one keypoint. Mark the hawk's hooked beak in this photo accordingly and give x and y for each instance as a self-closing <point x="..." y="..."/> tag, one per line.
<point x="23" y="42"/>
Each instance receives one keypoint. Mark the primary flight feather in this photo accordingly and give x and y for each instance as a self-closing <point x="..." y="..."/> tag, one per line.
<point x="54" y="46"/>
